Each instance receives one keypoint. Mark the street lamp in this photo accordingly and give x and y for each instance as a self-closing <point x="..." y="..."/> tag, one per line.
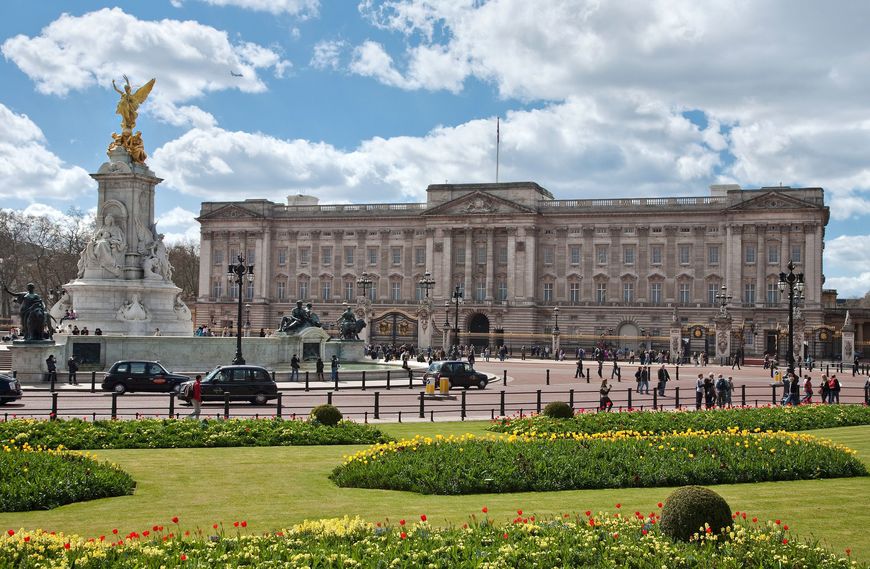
<point x="364" y="283"/>
<point x="236" y="274"/>
<point x="427" y="282"/>
<point x="247" y="319"/>
<point x="794" y="283"/>
<point x="724" y="299"/>
<point x="556" y="314"/>
<point x="457" y="299"/>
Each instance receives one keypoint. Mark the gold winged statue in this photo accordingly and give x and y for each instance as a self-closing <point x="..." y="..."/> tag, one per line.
<point x="128" y="106"/>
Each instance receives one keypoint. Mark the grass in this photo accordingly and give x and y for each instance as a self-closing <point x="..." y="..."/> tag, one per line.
<point x="274" y="487"/>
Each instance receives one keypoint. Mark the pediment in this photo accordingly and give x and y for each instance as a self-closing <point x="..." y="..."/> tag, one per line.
<point x="478" y="203"/>
<point x="230" y="211"/>
<point x="773" y="200"/>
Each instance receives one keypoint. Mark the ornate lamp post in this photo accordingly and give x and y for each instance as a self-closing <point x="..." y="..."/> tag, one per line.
<point x="556" y="333"/>
<point x="427" y="282"/>
<point x="794" y="283"/>
<point x="364" y="283"/>
<point x="724" y="300"/>
<point x="457" y="300"/>
<point x="236" y="274"/>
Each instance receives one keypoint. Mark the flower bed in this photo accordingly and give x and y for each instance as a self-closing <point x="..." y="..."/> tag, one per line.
<point x="801" y="418"/>
<point x="583" y="540"/>
<point x="180" y="433"/>
<point x="469" y="464"/>
<point x="40" y="479"/>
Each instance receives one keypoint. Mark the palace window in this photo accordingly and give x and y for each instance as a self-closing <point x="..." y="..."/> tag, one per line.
<point x="601" y="254"/>
<point x="773" y="253"/>
<point x="749" y="254"/>
<point x="349" y="290"/>
<point x="548" y="292"/>
<point x="713" y="255"/>
<point x="372" y="253"/>
<point x="684" y="294"/>
<point x="419" y="256"/>
<point x="349" y="254"/>
<point x="575" y="254"/>
<point x="684" y="252"/>
<point x="749" y="293"/>
<point x="628" y="254"/>
<point x="502" y="290"/>
<point x="628" y="292"/>
<point x="548" y="254"/>
<point x="325" y="289"/>
<point x="655" y="293"/>
<point x="219" y="257"/>
<point x="502" y="255"/>
<point x="304" y="255"/>
<point x="797" y="253"/>
<point x="600" y="293"/>
<point x="655" y="255"/>
<point x="396" y="253"/>
<point x="281" y="290"/>
<point x="460" y="254"/>
<point x="217" y="289"/>
<point x="480" y="291"/>
<point x="772" y="293"/>
<point x="574" y="292"/>
<point x="326" y="256"/>
<point x="481" y="254"/>
<point x="712" y="291"/>
<point x="395" y="291"/>
<point x="282" y="256"/>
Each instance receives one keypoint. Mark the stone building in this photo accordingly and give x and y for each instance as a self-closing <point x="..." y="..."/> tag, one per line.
<point x="627" y="272"/>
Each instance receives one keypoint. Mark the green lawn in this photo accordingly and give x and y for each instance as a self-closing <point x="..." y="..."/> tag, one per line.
<point x="274" y="487"/>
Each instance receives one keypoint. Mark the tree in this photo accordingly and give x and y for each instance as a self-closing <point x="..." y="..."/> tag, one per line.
<point x="184" y="257"/>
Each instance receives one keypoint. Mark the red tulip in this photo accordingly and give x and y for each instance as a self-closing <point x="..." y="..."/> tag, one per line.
<point x="183" y="557"/>
<point x="423" y="518"/>
<point x="484" y="510"/>
<point x="66" y="545"/>
<point x="175" y="519"/>
<point x="244" y="524"/>
<point x="401" y="522"/>
<point x="11" y="532"/>
<point x="660" y="504"/>
<point x="403" y="535"/>
<point x="618" y="506"/>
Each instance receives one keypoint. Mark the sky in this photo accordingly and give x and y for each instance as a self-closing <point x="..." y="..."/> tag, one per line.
<point x="371" y="101"/>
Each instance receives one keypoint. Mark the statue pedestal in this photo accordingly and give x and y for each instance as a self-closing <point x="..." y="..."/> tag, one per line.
<point x="99" y="304"/>
<point x="344" y="350"/>
<point x="28" y="359"/>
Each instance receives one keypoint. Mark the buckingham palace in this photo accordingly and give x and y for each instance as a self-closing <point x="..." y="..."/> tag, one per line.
<point x="528" y="267"/>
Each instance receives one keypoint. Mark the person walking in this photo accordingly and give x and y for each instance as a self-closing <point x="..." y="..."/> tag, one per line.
<point x="579" y="371"/>
<point x="730" y="391"/>
<point x="319" y="369"/>
<point x="644" y="380"/>
<point x="664" y="378"/>
<point x="794" y="389"/>
<point x="196" y="397"/>
<point x="294" y="368"/>
<point x="824" y="388"/>
<point x="72" y="366"/>
<point x="605" y="402"/>
<point x="808" y="390"/>
<point x="738" y="355"/>
<point x="51" y="366"/>
<point x="699" y="391"/>
<point x="333" y="368"/>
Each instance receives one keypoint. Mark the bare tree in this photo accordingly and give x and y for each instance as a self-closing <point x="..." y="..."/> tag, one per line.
<point x="184" y="257"/>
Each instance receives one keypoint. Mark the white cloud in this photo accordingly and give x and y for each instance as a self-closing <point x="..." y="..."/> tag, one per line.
<point x="300" y="8"/>
<point x="850" y="287"/>
<point x="327" y="53"/>
<point x="189" y="59"/>
<point x="779" y="108"/>
<point x="28" y="169"/>
<point x="177" y="217"/>
<point x="574" y="148"/>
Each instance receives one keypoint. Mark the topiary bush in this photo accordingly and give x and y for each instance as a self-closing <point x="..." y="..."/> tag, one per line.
<point x="558" y="410"/>
<point x="687" y="509"/>
<point x="328" y="415"/>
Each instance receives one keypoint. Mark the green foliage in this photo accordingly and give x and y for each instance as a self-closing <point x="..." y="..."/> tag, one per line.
<point x="688" y="509"/>
<point x="558" y="410"/>
<point x="801" y="418"/>
<point x="181" y="433"/>
<point x="328" y="415"/>
<point x="468" y="464"/>
<point x="600" y="540"/>
<point x="41" y="479"/>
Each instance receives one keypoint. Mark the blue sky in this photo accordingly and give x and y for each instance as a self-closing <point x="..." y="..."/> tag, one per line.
<point x="373" y="100"/>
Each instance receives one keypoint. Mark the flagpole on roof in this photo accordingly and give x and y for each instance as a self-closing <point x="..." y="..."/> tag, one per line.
<point x="497" y="144"/>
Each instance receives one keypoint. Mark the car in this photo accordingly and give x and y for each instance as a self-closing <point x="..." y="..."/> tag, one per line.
<point x="248" y="382"/>
<point x="129" y="375"/>
<point x="10" y="389"/>
<point x="460" y="374"/>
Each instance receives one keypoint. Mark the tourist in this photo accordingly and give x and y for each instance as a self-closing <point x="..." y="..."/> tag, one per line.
<point x="605" y="402"/>
<point x="75" y="331"/>
<point x="579" y="371"/>
<point x="824" y="389"/>
<point x="808" y="390"/>
<point x="333" y="368"/>
<point x="721" y="390"/>
<point x="72" y="366"/>
<point x="157" y="332"/>
<point x="294" y="368"/>
<point x="85" y="331"/>
<point x="699" y="391"/>
<point x="51" y="365"/>
<point x="98" y="332"/>
<point x="318" y="366"/>
<point x="794" y="389"/>
<point x="709" y="392"/>
<point x="664" y="377"/>
<point x="867" y="391"/>
<point x="196" y="397"/>
<point x="738" y="355"/>
<point x="834" y="387"/>
<point x="262" y="332"/>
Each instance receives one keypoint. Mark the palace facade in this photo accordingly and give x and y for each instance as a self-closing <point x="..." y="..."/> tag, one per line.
<point x="616" y="271"/>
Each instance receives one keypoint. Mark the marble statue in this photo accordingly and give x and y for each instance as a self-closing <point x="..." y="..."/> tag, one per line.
<point x="181" y="309"/>
<point x="151" y="268"/>
<point x="32" y="312"/>
<point x="159" y="252"/>
<point x="105" y="249"/>
<point x="128" y="105"/>
<point x="133" y="309"/>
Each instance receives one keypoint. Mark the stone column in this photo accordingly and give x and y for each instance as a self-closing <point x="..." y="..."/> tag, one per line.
<point x="511" y="263"/>
<point x="469" y="264"/>
<point x="675" y="333"/>
<point x="556" y="343"/>
<point x="445" y="283"/>
<point x="760" y="267"/>
<point x="531" y="268"/>
<point x="490" y="263"/>
<point x="206" y="259"/>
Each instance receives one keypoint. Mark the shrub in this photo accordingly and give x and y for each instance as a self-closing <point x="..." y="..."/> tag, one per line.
<point x="558" y="410"/>
<point x="688" y="509"/>
<point x="38" y="479"/>
<point x="543" y="463"/>
<point x="328" y="415"/>
<point x="180" y="433"/>
<point x="801" y="418"/>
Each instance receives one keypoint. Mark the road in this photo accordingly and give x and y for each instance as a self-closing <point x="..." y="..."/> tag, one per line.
<point x="527" y="389"/>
